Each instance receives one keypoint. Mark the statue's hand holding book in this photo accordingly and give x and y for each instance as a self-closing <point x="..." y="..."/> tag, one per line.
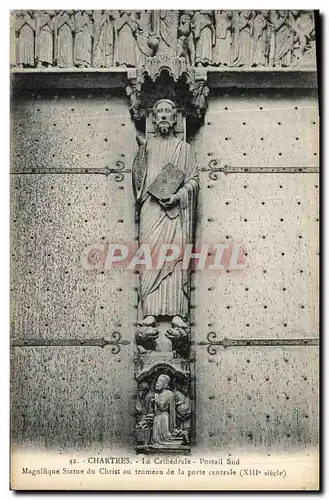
<point x="170" y="202"/>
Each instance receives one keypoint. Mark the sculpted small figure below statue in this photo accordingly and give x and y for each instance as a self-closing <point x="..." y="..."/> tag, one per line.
<point x="165" y="431"/>
<point x="144" y="410"/>
<point x="183" y="410"/>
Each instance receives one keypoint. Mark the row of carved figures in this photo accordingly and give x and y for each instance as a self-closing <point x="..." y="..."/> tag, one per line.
<point x="103" y="38"/>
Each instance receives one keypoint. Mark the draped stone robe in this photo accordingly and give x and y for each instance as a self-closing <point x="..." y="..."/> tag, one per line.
<point x="166" y="291"/>
<point x="164" y="423"/>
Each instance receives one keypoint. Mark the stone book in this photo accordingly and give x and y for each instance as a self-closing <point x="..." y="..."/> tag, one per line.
<point x="167" y="182"/>
<point x="164" y="247"/>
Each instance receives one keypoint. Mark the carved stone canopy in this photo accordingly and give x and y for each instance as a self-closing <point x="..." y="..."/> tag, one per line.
<point x="163" y="368"/>
<point x="165" y="77"/>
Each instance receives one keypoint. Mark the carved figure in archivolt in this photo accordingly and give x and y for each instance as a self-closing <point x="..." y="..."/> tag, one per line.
<point x="83" y="39"/>
<point x="302" y="23"/>
<point x="103" y="39"/>
<point x="282" y="38"/>
<point x="143" y="36"/>
<point x="25" y="33"/>
<point x="64" y="29"/>
<point x="223" y="44"/>
<point x="261" y="39"/>
<point x="165" y="291"/>
<point x="134" y="101"/>
<point x="185" y="43"/>
<point x="243" y="26"/>
<point x="45" y="38"/>
<point x="166" y="26"/>
<point x="125" y="49"/>
<point x="200" y="99"/>
<point x="204" y="35"/>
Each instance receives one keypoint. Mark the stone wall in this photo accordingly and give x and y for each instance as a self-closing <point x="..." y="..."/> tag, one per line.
<point x="84" y="396"/>
<point x="67" y="395"/>
<point x="260" y="396"/>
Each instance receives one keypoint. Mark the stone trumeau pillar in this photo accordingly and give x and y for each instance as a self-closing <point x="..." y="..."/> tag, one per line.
<point x="164" y="98"/>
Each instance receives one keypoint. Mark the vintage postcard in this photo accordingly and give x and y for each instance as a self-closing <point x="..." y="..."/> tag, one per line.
<point x="164" y="250"/>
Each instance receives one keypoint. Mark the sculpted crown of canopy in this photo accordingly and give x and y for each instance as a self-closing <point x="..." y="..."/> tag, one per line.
<point x="164" y="115"/>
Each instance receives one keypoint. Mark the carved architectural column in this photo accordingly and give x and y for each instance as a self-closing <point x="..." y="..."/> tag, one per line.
<point x="164" y="95"/>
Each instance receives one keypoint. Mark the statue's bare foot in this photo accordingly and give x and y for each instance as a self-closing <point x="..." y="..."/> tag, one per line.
<point x="149" y="321"/>
<point x="179" y="323"/>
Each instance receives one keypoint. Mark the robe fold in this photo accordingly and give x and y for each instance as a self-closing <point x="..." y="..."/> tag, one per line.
<point x="45" y="44"/>
<point x="168" y="33"/>
<point x="204" y="35"/>
<point x="164" y="422"/>
<point x="222" y="49"/>
<point x="64" y="54"/>
<point x="103" y="41"/>
<point x="165" y="291"/>
<point x="284" y="42"/>
<point x="83" y="41"/>
<point x="125" y="50"/>
<point x="143" y="31"/>
<point x="261" y="42"/>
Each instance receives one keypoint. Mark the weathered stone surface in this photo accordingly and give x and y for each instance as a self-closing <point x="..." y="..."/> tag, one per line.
<point x="65" y="130"/>
<point x="258" y="398"/>
<point x="260" y="128"/>
<point x="72" y="398"/>
<point x="54" y="219"/>
<point x="276" y="228"/>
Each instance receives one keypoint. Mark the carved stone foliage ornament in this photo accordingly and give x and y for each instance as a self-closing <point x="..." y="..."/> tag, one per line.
<point x="105" y="39"/>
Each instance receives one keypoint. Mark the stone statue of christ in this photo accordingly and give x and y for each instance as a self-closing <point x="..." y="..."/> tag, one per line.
<point x="165" y="291"/>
